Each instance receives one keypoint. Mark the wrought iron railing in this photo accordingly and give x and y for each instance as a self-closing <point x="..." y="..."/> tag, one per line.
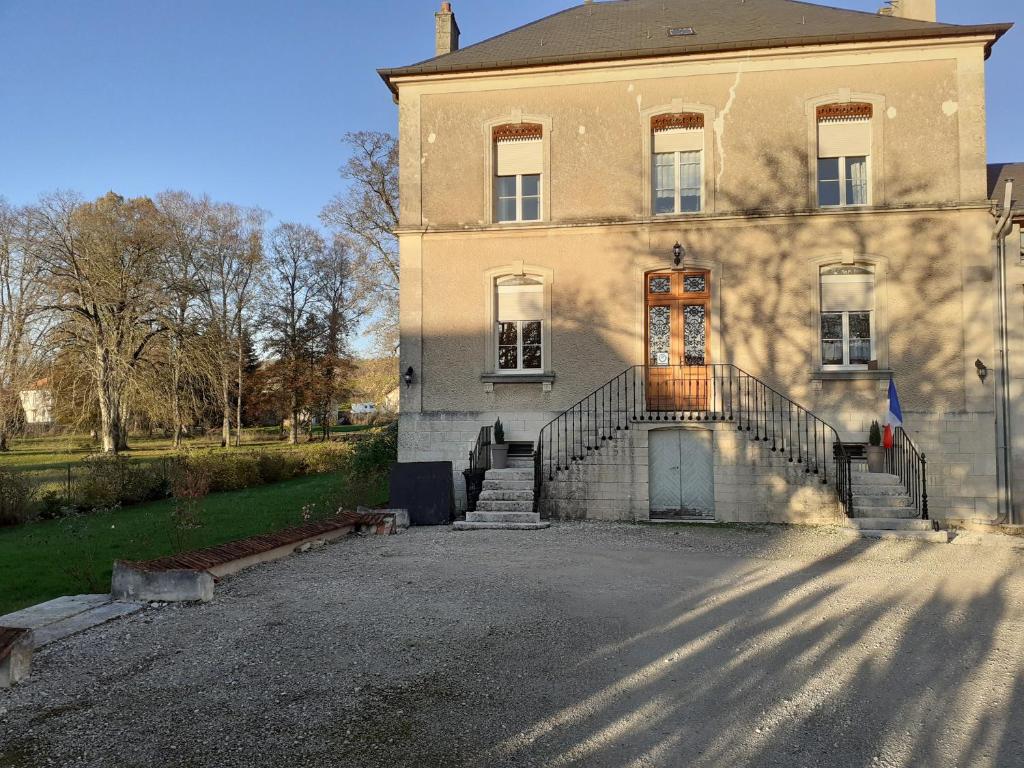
<point x="710" y="393"/>
<point x="906" y="462"/>
<point x="479" y="463"/>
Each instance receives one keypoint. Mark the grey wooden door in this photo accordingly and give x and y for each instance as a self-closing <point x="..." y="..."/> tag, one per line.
<point x="681" y="480"/>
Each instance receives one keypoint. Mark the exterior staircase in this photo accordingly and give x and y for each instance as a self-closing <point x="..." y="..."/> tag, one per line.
<point x="506" y="500"/>
<point x="882" y="509"/>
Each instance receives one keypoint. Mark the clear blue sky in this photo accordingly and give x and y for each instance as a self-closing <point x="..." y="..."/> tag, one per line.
<point x="246" y="100"/>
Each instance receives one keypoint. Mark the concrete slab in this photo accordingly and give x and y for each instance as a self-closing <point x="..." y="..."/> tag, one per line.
<point x="51" y="611"/>
<point x="80" y="622"/>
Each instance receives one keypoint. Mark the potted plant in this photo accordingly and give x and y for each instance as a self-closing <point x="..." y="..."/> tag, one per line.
<point x="499" y="448"/>
<point x="876" y="453"/>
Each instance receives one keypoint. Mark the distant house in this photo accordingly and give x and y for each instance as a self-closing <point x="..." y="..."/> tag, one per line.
<point x="37" y="402"/>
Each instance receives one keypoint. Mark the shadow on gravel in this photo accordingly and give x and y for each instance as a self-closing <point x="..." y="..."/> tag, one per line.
<point x="820" y="666"/>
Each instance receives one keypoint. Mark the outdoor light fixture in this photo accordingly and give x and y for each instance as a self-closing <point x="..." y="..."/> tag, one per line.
<point x="677" y="254"/>
<point x="982" y="370"/>
<point x="408" y="376"/>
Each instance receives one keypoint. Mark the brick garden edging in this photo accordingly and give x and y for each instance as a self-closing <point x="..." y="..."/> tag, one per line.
<point x="191" y="576"/>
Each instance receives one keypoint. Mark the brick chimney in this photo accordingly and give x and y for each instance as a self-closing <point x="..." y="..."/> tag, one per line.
<point x="446" y="30"/>
<point x="918" y="10"/>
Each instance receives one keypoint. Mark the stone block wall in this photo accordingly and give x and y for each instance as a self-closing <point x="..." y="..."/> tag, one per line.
<point x="451" y="435"/>
<point x="752" y="485"/>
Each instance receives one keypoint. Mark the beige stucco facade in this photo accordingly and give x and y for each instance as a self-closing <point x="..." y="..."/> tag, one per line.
<point x="760" y="236"/>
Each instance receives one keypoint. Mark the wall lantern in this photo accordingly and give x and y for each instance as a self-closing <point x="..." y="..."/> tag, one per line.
<point x="677" y="254"/>
<point x="407" y="377"/>
<point x="982" y="370"/>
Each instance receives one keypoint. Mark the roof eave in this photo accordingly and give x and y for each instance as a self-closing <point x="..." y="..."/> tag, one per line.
<point x="996" y="31"/>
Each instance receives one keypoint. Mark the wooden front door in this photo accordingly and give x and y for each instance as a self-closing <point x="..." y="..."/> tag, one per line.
<point x="678" y="340"/>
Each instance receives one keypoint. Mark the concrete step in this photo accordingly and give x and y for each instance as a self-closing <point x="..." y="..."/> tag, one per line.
<point x="502" y="517"/>
<point x="493" y="495"/>
<point x="465" y="525"/>
<point x="520" y="462"/>
<point x="874" y="478"/>
<point x="882" y="501"/>
<point x="879" y="490"/>
<point x="511" y="473"/>
<point x="504" y="506"/>
<point x="892" y="513"/>
<point x="889" y="524"/>
<point x="508" y="485"/>
<point x="940" y="537"/>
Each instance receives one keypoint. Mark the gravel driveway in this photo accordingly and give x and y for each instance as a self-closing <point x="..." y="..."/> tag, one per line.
<point x="582" y="645"/>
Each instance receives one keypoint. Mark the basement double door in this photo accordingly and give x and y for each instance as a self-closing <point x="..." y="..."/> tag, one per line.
<point x="677" y="340"/>
<point x="681" y="473"/>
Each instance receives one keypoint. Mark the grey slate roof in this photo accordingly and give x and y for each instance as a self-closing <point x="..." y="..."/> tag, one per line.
<point x="998" y="173"/>
<point x="622" y="29"/>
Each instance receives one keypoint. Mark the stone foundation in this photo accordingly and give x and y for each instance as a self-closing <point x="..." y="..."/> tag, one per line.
<point x="750" y="484"/>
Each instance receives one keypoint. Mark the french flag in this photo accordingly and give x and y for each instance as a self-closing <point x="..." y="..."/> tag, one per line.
<point x="894" y="418"/>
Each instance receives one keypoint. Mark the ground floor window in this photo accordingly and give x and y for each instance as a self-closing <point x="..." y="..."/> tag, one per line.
<point x="847" y="316"/>
<point x="519" y="330"/>
<point x="519" y="345"/>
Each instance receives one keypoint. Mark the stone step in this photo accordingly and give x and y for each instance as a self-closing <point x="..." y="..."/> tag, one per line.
<point x="505" y="495"/>
<point x="874" y="478"/>
<point x="882" y="501"/>
<point x="511" y="473"/>
<point x="879" y="490"/>
<point x="520" y="462"/>
<point x="889" y="524"/>
<point x="504" y="506"/>
<point x="508" y="485"/>
<point x="940" y="537"/>
<point x="465" y="525"/>
<point x="502" y="517"/>
<point x="893" y="513"/>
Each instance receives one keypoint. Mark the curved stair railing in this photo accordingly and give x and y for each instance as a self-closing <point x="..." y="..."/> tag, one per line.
<point x="710" y="393"/>
<point x="910" y="465"/>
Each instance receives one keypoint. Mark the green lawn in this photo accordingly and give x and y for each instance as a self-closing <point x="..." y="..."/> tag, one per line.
<point x="47" y="458"/>
<point x="43" y="560"/>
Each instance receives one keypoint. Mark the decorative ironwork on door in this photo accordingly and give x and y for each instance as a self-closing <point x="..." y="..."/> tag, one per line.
<point x="677" y="338"/>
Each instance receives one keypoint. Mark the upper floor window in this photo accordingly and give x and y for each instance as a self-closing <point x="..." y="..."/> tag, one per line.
<point x="518" y="166"/>
<point x="847" y="316"/>
<point x="519" y="336"/>
<point x="844" y="154"/>
<point x="678" y="162"/>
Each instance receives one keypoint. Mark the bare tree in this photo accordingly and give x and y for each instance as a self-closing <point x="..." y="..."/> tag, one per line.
<point x="231" y="264"/>
<point x="104" y="266"/>
<point x="334" y="288"/>
<point x="191" y="358"/>
<point x="292" y="318"/>
<point x="22" y="322"/>
<point x="367" y="215"/>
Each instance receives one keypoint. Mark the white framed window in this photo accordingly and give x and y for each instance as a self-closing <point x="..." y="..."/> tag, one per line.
<point x="847" y="317"/>
<point x="844" y="154"/>
<point x="517" y="198"/>
<point x="843" y="181"/>
<point x="519" y="329"/>
<point x="518" y="173"/>
<point x="677" y="175"/>
<point x="678" y="179"/>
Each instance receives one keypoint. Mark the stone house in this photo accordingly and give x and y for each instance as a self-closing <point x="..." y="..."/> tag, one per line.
<point x="681" y="247"/>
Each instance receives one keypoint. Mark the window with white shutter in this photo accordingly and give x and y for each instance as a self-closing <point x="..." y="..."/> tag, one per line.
<point x="519" y="328"/>
<point x="844" y="154"/>
<point x="847" y="316"/>
<point x="518" y="167"/>
<point x="677" y="147"/>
